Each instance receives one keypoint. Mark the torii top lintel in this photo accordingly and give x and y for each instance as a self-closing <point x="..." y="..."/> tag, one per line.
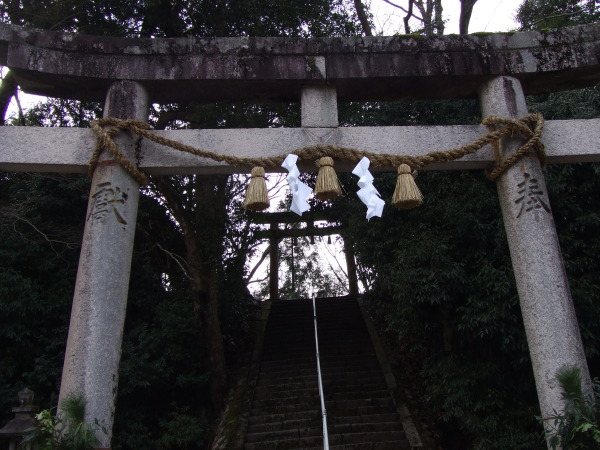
<point x="362" y="68"/>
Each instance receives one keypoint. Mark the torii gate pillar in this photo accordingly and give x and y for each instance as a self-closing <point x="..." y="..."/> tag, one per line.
<point x="91" y="366"/>
<point x="546" y="305"/>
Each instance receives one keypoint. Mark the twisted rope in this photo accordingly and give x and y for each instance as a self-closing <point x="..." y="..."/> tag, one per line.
<point x="530" y="127"/>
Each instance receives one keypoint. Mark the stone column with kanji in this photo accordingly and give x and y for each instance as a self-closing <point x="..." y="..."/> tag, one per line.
<point x="91" y="367"/>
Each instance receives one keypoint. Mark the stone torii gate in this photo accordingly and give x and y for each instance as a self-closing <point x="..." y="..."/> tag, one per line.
<point x="130" y="73"/>
<point x="274" y="235"/>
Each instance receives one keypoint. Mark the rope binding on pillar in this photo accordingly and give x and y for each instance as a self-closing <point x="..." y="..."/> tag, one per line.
<point x="407" y="193"/>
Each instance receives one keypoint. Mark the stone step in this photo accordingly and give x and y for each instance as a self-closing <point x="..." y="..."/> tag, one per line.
<point x="388" y="445"/>
<point x="265" y="393"/>
<point x="311" y="442"/>
<point x="298" y="361"/>
<point x="303" y="355"/>
<point x="341" y="428"/>
<point x="364" y="418"/>
<point x="358" y="394"/>
<point x="366" y="437"/>
<point x="370" y="376"/>
<point x="297" y="402"/>
<point x="283" y="417"/>
<point x="332" y="370"/>
<point x="282" y="435"/>
<point x="345" y="413"/>
<point x="347" y="407"/>
<point x="287" y="380"/>
<point x="282" y="387"/>
<point x="314" y="422"/>
<point x="285" y="411"/>
<point x="287" y="373"/>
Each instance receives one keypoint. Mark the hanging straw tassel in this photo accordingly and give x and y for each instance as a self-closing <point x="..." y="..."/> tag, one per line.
<point x="257" y="198"/>
<point x="407" y="195"/>
<point x="328" y="186"/>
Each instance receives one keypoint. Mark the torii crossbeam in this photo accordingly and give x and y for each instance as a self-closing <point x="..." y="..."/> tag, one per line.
<point x="131" y="73"/>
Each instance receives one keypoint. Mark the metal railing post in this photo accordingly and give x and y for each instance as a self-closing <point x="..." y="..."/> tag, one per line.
<point x="321" y="394"/>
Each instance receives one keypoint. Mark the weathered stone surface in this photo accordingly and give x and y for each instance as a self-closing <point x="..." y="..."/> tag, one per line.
<point x="548" y="313"/>
<point x="93" y="352"/>
<point x="319" y="107"/>
<point x="361" y="68"/>
<point x="68" y="149"/>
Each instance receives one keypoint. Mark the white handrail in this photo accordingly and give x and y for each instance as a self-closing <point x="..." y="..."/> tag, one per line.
<point x="321" y="394"/>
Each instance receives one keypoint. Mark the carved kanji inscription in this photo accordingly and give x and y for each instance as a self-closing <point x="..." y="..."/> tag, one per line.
<point x="106" y="203"/>
<point x="532" y="199"/>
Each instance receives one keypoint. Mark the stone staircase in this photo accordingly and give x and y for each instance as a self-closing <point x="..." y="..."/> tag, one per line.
<point x="285" y="413"/>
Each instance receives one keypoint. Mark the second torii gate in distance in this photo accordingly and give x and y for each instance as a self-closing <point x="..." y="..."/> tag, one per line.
<point x="274" y="235"/>
<point x="130" y="73"/>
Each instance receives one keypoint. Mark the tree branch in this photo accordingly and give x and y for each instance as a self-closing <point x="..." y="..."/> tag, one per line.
<point x="175" y="257"/>
<point x="555" y="16"/>
<point x="69" y="245"/>
<point x="21" y="115"/>
<point x="257" y="265"/>
<point x="396" y="6"/>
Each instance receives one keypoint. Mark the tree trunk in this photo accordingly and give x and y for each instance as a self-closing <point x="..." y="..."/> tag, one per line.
<point x="466" y="9"/>
<point x="362" y="16"/>
<point x="201" y="245"/>
<point x="203" y="284"/>
<point x="8" y="90"/>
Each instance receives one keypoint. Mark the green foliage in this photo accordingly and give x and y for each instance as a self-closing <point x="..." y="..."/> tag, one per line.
<point x="65" y="430"/>
<point x="576" y="104"/>
<point x="109" y="17"/>
<point x="165" y="375"/>
<point x="442" y="284"/>
<point x="577" y="426"/>
<point x="160" y="18"/>
<point x="554" y="14"/>
<point x="41" y="221"/>
<point x="250" y="18"/>
<point x="444" y="291"/>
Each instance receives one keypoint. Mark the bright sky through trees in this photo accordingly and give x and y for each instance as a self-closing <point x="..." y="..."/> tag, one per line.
<point x="488" y="16"/>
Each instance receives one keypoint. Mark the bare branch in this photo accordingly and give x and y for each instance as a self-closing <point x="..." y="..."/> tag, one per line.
<point x="170" y="202"/>
<point x="175" y="257"/>
<point x="257" y="265"/>
<point x="258" y="281"/>
<point x="409" y="14"/>
<point x="396" y="6"/>
<point x="336" y="274"/>
<point x="51" y="241"/>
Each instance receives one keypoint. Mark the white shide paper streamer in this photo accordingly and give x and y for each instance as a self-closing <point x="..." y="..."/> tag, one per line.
<point x="367" y="193"/>
<point x="300" y="191"/>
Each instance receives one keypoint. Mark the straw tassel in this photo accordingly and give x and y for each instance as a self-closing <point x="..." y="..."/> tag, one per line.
<point x="328" y="186"/>
<point x="407" y="195"/>
<point x="257" y="198"/>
